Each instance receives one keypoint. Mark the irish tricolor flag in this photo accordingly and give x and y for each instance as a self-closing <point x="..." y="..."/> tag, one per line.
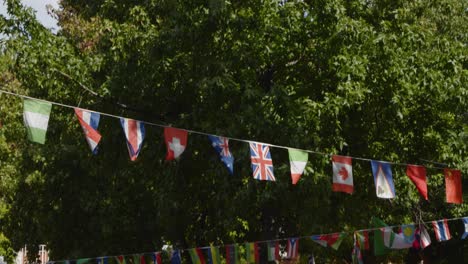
<point x="36" y="118"/>
<point x="298" y="161"/>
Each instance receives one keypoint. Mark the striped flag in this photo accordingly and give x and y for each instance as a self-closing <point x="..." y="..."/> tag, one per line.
<point x="363" y="239"/>
<point x="232" y="255"/>
<point x="298" y="161"/>
<point x="342" y="174"/>
<point x="424" y="238"/>
<point x="331" y="240"/>
<point x="213" y="255"/>
<point x="135" y="134"/>
<point x="36" y="119"/>
<point x="465" y="223"/>
<point x="273" y="251"/>
<point x="251" y="252"/>
<point x="89" y="122"/>
<point x="197" y="256"/>
<point x="142" y="259"/>
<point x="356" y="253"/>
<point x="120" y="259"/>
<point x="292" y="248"/>
<point x="441" y="230"/>
<point x="156" y="258"/>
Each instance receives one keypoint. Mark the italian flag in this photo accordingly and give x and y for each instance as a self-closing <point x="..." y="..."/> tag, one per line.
<point x="36" y="118"/>
<point x="298" y="161"/>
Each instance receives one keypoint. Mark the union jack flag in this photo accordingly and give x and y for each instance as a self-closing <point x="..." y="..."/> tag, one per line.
<point x="262" y="165"/>
<point x="89" y="121"/>
<point x="221" y="145"/>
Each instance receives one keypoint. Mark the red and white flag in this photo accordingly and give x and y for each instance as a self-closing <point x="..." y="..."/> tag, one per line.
<point x="342" y="174"/>
<point x="176" y="142"/>
<point x="292" y="248"/>
<point x="417" y="175"/>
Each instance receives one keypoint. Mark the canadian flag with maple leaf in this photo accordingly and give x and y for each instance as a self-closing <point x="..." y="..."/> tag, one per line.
<point x="342" y="174"/>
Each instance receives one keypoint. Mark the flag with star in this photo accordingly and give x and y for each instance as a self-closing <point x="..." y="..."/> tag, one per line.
<point x="221" y="145"/>
<point x="176" y="142"/>
<point x="453" y="186"/>
<point x="262" y="164"/>
<point x="465" y="224"/>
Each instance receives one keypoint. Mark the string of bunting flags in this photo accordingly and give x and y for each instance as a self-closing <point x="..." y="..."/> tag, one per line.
<point x="36" y="118"/>
<point x="385" y="238"/>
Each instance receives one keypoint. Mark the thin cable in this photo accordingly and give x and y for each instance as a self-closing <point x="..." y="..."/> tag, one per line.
<point x="271" y="240"/>
<point x="208" y="134"/>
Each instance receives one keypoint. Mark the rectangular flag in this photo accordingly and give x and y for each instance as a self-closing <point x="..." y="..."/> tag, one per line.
<point x="383" y="179"/>
<point x="356" y="255"/>
<point x="441" y="230"/>
<point x="424" y="238"/>
<point x="417" y="175"/>
<point x="232" y="255"/>
<point x="157" y="258"/>
<point x="120" y="259"/>
<point x="89" y="122"/>
<point x="176" y="142"/>
<point x="465" y="223"/>
<point x="175" y="257"/>
<point x="273" y="251"/>
<point x="36" y="119"/>
<point x="197" y="256"/>
<point x="453" y="186"/>
<point x="262" y="164"/>
<point x="332" y="240"/>
<point x="363" y="239"/>
<point x="292" y="248"/>
<point x="135" y="134"/>
<point x="342" y="174"/>
<point x="251" y="253"/>
<point x="221" y="145"/>
<point x="298" y="161"/>
<point x="379" y="246"/>
<point x="213" y="255"/>
<point x="403" y="239"/>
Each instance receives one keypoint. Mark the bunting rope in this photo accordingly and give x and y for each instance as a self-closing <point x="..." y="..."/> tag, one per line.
<point x="208" y="134"/>
<point x="271" y="240"/>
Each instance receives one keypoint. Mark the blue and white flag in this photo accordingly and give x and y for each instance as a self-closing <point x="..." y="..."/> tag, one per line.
<point x="383" y="179"/>
<point x="221" y="145"/>
<point x="465" y="222"/>
<point x="441" y="230"/>
<point x="175" y="257"/>
<point x="89" y="121"/>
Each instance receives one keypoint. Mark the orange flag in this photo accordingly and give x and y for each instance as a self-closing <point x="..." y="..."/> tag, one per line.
<point x="453" y="187"/>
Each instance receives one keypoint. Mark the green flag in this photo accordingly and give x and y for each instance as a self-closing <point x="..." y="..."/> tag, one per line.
<point x="379" y="245"/>
<point x="298" y="161"/>
<point x="215" y="256"/>
<point x="36" y="118"/>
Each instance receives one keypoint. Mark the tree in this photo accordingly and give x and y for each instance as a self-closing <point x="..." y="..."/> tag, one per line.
<point x="378" y="79"/>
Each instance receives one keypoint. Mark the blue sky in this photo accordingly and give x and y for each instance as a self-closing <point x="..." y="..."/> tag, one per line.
<point x="41" y="12"/>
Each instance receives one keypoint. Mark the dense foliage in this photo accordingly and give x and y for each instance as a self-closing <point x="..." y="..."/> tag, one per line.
<point x="380" y="79"/>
